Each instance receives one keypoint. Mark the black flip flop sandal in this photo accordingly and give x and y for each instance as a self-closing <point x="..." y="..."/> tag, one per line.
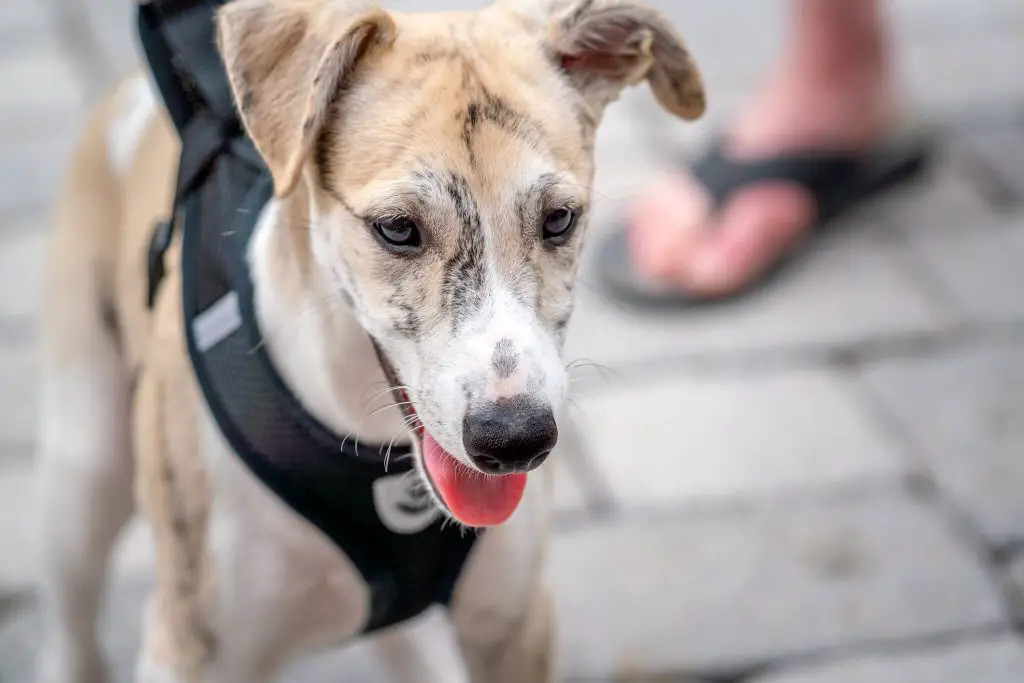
<point x="836" y="182"/>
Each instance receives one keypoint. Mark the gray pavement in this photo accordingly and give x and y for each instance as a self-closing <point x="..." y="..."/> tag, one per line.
<point x="821" y="484"/>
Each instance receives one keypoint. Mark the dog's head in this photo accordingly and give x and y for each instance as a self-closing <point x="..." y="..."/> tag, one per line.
<point x="448" y="158"/>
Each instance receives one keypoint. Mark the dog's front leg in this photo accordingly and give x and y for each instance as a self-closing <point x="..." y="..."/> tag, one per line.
<point x="523" y="653"/>
<point x="501" y="613"/>
<point x="424" y="651"/>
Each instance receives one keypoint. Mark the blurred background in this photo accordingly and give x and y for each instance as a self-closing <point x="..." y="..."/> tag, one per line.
<point x="821" y="484"/>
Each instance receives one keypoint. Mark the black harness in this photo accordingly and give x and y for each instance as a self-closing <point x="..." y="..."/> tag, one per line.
<point x="365" y="498"/>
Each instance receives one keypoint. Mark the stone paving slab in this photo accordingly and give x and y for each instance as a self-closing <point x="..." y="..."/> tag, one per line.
<point x="112" y="24"/>
<point x="963" y="413"/>
<point x="999" y="660"/>
<point x="980" y="268"/>
<point x="133" y="557"/>
<point x="568" y="491"/>
<point x="849" y="289"/>
<point x="677" y="441"/>
<point x="21" y="19"/>
<point x="1014" y="576"/>
<point x="18" y="396"/>
<point x="998" y="153"/>
<point x="722" y="593"/>
<point x="31" y="170"/>
<point x="44" y="83"/>
<point x="19" y="639"/>
<point x="947" y="202"/>
<point x="21" y="265"/>
<point x="962" y="72"/>
<point x="934" y="21"/>
<point x="623" y="154"/>
<point x="17" y="526"/>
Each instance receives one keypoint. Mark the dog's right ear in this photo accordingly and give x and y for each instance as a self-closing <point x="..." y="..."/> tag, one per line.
<point x="287" y="60"/>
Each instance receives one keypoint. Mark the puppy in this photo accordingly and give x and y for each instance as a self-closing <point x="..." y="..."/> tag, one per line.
<point x="426" y="202"/>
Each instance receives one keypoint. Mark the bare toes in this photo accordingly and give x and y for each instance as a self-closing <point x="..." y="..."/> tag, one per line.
<point x="669" y="223"/>
<point x="755" y="228"/>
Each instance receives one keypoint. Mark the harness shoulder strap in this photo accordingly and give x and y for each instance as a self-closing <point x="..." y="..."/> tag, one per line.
<point x="177" y="39"/>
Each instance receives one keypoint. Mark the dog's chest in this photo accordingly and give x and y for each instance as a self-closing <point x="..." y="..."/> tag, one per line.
<point x="275" y="557"/>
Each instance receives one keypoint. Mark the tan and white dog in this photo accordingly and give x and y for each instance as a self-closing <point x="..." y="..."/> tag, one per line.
<point x="431" y="177"/>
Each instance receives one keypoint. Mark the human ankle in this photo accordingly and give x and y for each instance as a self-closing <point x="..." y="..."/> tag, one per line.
<point x="796" y="110"/>
<point x="838" y="40"/>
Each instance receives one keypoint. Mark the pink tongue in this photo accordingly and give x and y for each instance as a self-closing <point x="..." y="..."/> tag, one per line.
<point x="474" y="499"/>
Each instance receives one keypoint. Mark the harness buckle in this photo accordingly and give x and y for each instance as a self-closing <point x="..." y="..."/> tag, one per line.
<point x="159" y="242"/>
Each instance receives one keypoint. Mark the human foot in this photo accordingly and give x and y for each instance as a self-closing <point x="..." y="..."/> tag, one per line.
<point x="681" y="237"/>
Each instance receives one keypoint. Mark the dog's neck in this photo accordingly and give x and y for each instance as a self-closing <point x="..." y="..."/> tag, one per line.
<point x="322" y="352"/>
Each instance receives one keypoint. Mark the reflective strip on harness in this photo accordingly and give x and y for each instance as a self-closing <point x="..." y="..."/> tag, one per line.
<point x="214" y="324"/>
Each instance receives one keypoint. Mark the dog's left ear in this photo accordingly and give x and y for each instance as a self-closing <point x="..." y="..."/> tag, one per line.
<point x="606" y="45"/>
<point x="287" y="61"/>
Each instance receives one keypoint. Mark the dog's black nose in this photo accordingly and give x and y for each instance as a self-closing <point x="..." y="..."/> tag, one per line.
<point x="509" y="435"/>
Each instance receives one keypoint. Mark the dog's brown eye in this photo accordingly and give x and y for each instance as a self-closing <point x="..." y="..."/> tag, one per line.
<point x="558" y="226"/>
<point x="399" y="234"/>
